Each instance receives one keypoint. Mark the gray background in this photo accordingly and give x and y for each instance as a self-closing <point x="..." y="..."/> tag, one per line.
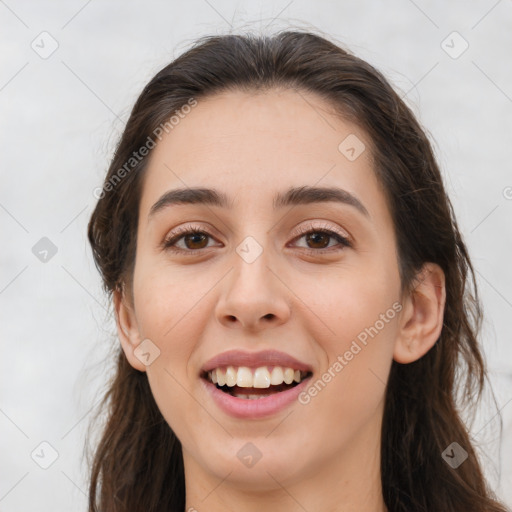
<point x="61" y="116"/>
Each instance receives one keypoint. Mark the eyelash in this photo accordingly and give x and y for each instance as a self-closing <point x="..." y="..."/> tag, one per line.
<point x="168" y="243"/>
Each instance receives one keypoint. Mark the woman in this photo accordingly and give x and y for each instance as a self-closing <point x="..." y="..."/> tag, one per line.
<point x="292" y="293"/>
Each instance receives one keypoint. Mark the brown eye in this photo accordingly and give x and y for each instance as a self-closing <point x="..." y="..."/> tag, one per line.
<point x="187" y="240"/>
<point x="193" y="240"/>
<point x="319" y="240"/>
<point x="196" y="240"/>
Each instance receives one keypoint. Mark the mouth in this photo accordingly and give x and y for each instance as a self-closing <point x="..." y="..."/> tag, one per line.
<point x="255" y="383"/>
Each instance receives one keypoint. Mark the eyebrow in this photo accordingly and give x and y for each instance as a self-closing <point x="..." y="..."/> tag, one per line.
<point x="291" y="197"/>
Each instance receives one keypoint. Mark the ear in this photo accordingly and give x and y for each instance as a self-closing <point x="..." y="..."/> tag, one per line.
<point x="127" y="329"/>
<point x="421" y="320"/>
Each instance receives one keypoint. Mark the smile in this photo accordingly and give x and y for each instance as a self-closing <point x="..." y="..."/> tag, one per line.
<point x="255" y="383"/>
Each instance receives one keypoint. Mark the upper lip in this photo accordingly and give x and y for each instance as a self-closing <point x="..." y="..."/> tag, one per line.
<point x="255" y="360"/>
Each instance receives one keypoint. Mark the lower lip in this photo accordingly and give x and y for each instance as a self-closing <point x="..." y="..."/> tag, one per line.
<point x="257" y="408"/>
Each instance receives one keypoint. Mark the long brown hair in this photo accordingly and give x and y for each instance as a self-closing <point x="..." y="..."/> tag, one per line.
<point x="138" y="462"/>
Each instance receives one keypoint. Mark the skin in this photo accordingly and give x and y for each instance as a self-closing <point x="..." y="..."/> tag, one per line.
<point x="324" y="455"/>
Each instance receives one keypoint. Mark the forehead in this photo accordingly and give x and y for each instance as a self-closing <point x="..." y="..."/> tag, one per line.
<point x="252" y="145"/>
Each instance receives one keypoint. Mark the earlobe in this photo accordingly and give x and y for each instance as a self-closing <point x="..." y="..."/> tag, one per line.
<point x="421" y="320"/>
<point x="127" y="329"/>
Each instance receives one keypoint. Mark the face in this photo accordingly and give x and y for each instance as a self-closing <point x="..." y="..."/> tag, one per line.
<point x="313" y="279"/>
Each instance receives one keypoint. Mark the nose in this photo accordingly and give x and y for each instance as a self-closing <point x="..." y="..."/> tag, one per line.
<point x="253" y="297"/>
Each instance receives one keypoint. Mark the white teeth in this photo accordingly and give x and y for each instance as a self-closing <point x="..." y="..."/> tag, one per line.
<point x="245" y="377"/>
<point x="230" y="376"/>
<point x="261" y="378"/>
<point x="221" y="377"/>
<point x="276" y="377"/>
<point x="288" y="375"/>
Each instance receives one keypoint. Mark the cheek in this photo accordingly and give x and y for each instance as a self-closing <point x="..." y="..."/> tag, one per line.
<point x="357" y="324"/>
<point x="348" y="300"/>
<point x="349" y="392"/>
<point x="171" y="313"/>
<point x="167" y="302"/>
<point x="169" y="310"/>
